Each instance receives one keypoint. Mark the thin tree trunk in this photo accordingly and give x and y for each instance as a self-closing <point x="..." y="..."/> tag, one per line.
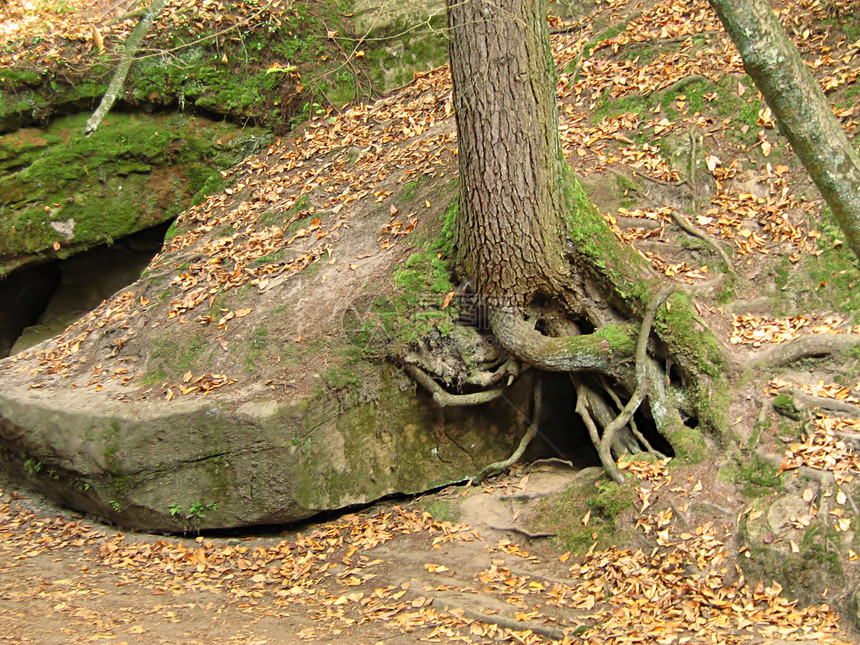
<point x="132" y="45"/>
<point x="801" y="108"/>
<point x="511" y="166"/>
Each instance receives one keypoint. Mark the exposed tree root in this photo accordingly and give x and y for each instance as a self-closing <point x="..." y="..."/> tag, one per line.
<point x="833" y="405"/>
<point x="634" y="429"/>
<point x="551" y="460"/>
<point x="643" y="385"/>
<point x="805" y="347"/>
<point x="499" y="466"/>
<point x="510" y="369"/>
<point x="607" y="350"/>
<point x="504" y="622"/>
<point x="707" y="239"/>
<point x="683" y="82"/>
<point x="694" y="189"/>
<point x="523" y="497"/>
<point x="521" y="531"/>
<point x="445" y="399"/>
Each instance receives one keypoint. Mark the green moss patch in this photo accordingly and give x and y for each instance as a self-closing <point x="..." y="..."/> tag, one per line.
<point x="67" y="192"/>
<point x="562" y="513"/>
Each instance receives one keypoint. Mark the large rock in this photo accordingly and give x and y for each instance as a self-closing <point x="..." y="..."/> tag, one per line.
<point x="246" y="377"/>
<point x="200" y="465"/>
<point x="62" y="192"/>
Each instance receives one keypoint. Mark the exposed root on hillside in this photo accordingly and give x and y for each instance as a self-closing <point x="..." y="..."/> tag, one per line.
<point x="604" y="442"/>
<point x="844" y="408"/>
<point x="810" y="346"/>
<point x="446" y="399"/>
<point x="612" y="364"/>
<point x="499" y="466"/>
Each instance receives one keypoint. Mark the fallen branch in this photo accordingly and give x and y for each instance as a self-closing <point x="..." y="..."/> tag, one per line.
<point x="504" y="622"/>
<point x="132" y="45"/>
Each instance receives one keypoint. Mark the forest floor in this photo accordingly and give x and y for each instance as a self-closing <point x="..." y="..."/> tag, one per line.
<point x="394" y="573"/>
<point x="664" y="127"/>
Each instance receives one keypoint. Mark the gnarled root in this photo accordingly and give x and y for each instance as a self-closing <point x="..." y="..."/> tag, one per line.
<point x="807" y="346"/>
<point x="612" y="360"/>
<point x="445" y="399"/>
<point x="605" y="442"/>
<point x="499" y="466"/>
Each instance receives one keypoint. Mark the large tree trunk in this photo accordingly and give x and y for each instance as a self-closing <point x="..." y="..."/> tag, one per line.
<point x="800" y="107"/>
<point x="511" y="166"/>
<point x="561" y="292"/>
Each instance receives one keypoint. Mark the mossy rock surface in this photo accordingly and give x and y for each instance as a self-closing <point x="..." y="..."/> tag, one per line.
<point x="63" y="193"/>
<point x="200" y="465"/>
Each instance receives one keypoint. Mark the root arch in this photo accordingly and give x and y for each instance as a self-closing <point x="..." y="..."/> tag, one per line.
<point x="613" y="370"/>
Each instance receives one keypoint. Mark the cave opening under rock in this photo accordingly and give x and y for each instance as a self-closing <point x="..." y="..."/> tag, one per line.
<point x="562" y="433"/>
<point x="40" y="301"/>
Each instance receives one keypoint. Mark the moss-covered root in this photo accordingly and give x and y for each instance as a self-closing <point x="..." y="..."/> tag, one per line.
<point x="609" y="350"/>
<point x="701" y="360"/>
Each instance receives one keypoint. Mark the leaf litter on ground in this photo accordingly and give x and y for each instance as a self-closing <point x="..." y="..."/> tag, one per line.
<point x="404" y="137"/>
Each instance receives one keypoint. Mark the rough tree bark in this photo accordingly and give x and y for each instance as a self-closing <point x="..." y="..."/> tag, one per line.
<point x="560" y="291"/>
<point x="800" y="107"/>
<point x="511" y="166"/>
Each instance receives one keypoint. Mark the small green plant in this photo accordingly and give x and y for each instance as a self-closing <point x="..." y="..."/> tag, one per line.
<point x="195" y="511"/>
<point x="33" y="466"/>
<point x="174" y="510"/>
<point x="115" y="505"/>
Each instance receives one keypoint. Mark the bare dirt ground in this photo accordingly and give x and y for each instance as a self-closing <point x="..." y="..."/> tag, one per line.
<point x="393" y="573"/>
